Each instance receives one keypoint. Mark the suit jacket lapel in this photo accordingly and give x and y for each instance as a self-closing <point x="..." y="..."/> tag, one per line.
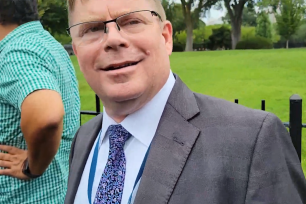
<point x="170" y="147"/>
<point x="79" y="159"/>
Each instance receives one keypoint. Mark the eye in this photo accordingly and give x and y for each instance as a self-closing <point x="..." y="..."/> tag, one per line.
<point x="133" y="22"/>
<point x="94" y="28"/>
<point x="130" y="22"/>
<point x="91" y="28"/>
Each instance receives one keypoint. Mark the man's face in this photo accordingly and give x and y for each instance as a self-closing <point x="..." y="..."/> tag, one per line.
<point x="146" y="52"/>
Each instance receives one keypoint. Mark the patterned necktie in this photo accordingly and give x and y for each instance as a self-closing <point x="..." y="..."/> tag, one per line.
<point x="111" y="185"/>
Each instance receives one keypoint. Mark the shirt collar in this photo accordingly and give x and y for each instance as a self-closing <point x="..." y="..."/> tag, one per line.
<point x="143" y="123"/>
<point x="20" y="30"/>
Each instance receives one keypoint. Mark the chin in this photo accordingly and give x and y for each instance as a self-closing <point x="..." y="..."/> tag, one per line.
<point x="122" y="98"/>
<point x="125" y="92"/>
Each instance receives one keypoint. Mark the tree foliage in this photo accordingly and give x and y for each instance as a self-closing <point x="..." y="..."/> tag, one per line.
<point x="290" y="17"/>
<point x="264" y="27"/>
<point x="53" y="15"/>
<point x="199" y="36"/>
<point x="175" y="15"/>
<point x="300" y="35"/>
<point x="220" y="38"/>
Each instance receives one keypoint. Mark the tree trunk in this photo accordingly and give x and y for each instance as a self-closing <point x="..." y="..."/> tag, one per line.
<point x="287" y="44"/>
<point x="236" y="32"/>
<point x="235" y="10"/>
<point x="189" y="31"/>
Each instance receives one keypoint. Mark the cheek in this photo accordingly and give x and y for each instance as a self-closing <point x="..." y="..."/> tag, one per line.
<point x="86" y="59"/>
<point x="148" y="41"/>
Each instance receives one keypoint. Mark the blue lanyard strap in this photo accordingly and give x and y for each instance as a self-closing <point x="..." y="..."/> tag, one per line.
<point x="140" y="173"/>
<point x="94" y="165"/>
<point x="93" y="170"/>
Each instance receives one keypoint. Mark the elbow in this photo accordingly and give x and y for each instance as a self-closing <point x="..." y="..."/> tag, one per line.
<point x="47" y="126"/>
<point x="52" y="122"/>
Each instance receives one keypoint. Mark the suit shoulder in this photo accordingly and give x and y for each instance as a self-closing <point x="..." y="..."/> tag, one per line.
<point x="230" y="113"/>
<point x="231" y="128"/>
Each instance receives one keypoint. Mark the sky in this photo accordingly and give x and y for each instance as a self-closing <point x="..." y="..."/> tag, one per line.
<point x="214" y="17"/>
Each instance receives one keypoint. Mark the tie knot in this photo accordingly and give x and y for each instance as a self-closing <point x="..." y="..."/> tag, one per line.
<point x="118" y="135"/>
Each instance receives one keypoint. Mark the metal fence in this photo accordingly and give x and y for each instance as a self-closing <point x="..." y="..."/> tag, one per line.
<point x="295" y="119"/>
<point x="94" y="113"/>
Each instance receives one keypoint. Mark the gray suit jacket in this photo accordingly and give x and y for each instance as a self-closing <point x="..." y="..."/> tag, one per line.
<point x="208" y="150"/>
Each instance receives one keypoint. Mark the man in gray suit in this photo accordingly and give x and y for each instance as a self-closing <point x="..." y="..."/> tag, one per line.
<point x="157" y="141"/>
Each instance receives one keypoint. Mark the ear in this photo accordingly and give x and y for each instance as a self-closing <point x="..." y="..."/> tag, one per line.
<point x="167" y="34"/>
<point x="74" y="49"/>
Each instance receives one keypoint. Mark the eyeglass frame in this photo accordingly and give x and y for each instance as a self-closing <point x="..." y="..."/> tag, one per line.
<point x="113" y="20"/>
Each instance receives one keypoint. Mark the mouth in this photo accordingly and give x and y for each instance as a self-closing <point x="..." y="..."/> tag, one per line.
<point x="118" y="66"/>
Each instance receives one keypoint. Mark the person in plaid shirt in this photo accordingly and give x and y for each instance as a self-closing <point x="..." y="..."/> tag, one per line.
<point x="39" y="108"/>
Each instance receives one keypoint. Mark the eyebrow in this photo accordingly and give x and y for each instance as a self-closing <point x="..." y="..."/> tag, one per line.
<point x="122" y="12"/>
<point x="102" y="17"/>
<point x="92" y="18"/>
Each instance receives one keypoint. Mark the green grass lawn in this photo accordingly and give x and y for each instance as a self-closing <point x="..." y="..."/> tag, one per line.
<point x="250" y="76"/>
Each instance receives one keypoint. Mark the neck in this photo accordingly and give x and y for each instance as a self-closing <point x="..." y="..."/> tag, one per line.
<point x="119" y="111"/>
<point x="6" y="29"/>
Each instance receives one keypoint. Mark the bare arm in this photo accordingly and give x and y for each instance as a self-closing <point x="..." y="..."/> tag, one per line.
<point x="42" y="126"/>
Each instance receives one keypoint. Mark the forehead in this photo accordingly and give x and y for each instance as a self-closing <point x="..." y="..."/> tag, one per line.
<point x="91" y="10"/>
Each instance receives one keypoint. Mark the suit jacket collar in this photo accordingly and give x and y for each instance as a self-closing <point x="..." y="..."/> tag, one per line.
<point x="170" y="148"/>
<point x="81" y="147"/>
<point x="183" y="100"/>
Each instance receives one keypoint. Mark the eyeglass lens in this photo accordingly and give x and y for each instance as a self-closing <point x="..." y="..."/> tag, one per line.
<point x="93" y="32"/>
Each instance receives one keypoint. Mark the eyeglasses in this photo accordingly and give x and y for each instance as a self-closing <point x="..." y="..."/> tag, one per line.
<point x="87" y="33"/>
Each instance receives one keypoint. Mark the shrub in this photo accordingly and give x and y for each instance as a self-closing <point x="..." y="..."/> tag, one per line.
<point x="178" y="47"/>
<point x="220" y="38"/>
<point x="255" y="42"/>
<point x="63" y="38"/>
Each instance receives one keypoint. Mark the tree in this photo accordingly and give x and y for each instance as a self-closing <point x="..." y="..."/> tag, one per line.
<point x="249" y="17"/>
<point x="290" y="17"/>
<point x="53" y="15"/>
<point x="198" y="7"/>
<point x="264" y="28"/>
<point x="235" y="11"/>
<point x="174" y="14"/>
<point x="300" y="35"/>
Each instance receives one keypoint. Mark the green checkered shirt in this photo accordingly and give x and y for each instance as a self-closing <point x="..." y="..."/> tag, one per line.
<point x="31" y="59"/>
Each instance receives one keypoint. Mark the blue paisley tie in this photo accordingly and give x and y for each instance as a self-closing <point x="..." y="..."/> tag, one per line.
<point x="111" y="185"/>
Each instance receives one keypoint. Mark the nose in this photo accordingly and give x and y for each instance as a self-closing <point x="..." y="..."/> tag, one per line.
<point x="113" y="39"/>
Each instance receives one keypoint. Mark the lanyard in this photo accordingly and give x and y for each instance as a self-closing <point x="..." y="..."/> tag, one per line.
<point x="94" y="165"/>
<point x="93" y="169"/>
<point x="139" y="173"/>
